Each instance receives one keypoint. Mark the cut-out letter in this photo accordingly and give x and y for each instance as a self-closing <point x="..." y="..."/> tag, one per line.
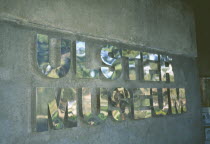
<point x="132" y="57"/>
<point x="150" y="64"/>
<point x="142" y="103"/>
<point x="43" y="58"/>
<point x="62" y="108"/>
<point x="111" y="56"/>
<point x="81" y="70"/>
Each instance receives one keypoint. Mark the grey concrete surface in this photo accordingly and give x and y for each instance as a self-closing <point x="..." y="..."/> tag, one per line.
<point x="167" y="25"/>
<point x="19" y="76"/>
<point x="159" y="26"/>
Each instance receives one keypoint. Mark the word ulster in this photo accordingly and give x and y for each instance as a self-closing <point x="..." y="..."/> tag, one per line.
<point x="141" y="65"/>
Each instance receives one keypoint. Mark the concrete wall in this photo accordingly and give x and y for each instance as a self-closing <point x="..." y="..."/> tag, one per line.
<point x="165" y="25"/>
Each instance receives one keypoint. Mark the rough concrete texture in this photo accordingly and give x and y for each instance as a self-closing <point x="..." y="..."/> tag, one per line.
<point x="167" y="25"/>
<point x="19" y="76"/>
